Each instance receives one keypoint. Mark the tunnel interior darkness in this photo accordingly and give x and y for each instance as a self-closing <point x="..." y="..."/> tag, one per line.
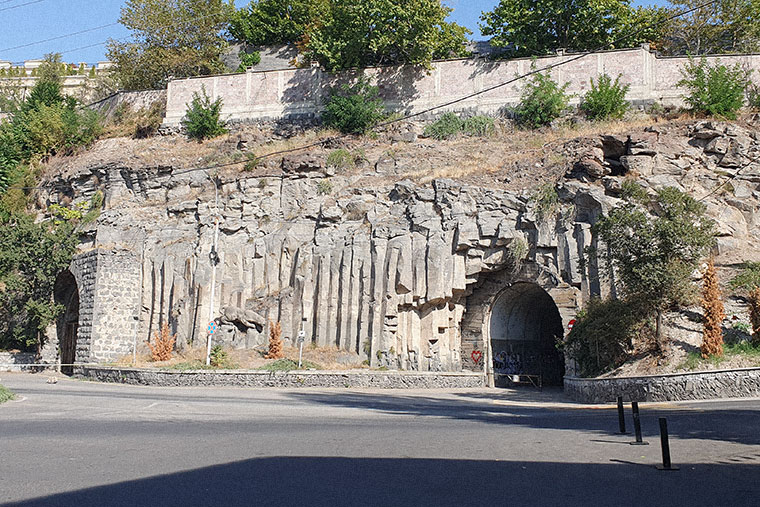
<point x="66" y="293"/>
<point x="525" y="327"/>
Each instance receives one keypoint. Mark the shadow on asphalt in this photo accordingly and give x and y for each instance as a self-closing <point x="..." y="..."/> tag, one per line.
<point x="728" y="425"/>
<point x="321" y="481"/>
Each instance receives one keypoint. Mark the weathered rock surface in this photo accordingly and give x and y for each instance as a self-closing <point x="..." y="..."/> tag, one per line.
<point x="393" y="271"/>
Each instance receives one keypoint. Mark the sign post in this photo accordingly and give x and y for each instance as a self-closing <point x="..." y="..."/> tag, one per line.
<point x="301" y="338"/>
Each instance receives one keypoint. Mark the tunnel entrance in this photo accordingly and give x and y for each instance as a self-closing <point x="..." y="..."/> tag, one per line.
<point x="66" y="293"/>
<point x="525" y="326"/>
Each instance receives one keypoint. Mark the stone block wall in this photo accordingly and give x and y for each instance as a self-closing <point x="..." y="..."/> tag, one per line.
<point x="84" y="268"/>
<point x="301" y="93"/>
<point x="681" y="386"/>
<point x="116" y="306"/>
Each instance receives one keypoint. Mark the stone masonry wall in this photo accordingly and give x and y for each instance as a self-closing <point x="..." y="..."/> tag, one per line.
<point x="300" y="93"/>
<point x="84" y="268"/>
<point x="683" y="386"/>
<point x="116" y="306"/>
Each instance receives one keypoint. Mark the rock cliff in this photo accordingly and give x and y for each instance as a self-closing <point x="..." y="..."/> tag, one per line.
<point x="385" y="259"/>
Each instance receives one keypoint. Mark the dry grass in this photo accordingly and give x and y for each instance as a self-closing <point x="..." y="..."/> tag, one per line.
<point x="249" y="359"/>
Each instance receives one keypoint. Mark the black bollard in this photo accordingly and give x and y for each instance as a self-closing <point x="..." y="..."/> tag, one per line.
<point x="637" y="424"/>
<point x="666" y="464"/>
<point x="621" y="415"/>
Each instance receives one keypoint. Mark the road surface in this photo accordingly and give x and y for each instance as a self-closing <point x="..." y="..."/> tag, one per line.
<point x="78" y="443"/>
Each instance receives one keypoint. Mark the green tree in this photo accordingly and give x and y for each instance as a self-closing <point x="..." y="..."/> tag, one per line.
<point x="170" y="38"/>
<point x="266" y="22"/>
<point x="363" y="33"/>
<point x="31" y="257"/>
<point x="653" y="250"/>
<point x="533" y="28"/>
<point x="726" y="26"/>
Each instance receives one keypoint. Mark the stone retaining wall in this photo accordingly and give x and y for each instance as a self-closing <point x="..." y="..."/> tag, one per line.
<point x="300" y="93"/>
<point x="242" y="378"/>
<point x="15" y="361"/>
<point x="707" y="385"/>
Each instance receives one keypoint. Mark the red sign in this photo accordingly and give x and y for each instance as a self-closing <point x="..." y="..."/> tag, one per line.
<point x="476" y="356"/>
<point x="571" y="324"/>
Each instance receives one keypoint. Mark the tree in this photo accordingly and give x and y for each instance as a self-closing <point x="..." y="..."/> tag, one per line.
<point x="712" y="334"/>
<point x="267" y="22"/>
<point x="170" y="38"/>
<point x="31" y="257"/>
<point x="363" y="33"/>
<point x="652" y="250"/>
<point x="726" y="26"/>
<point x="748" y="281"/>
<point x="532" y="28"/>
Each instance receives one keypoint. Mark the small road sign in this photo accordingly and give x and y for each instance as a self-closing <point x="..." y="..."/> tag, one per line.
<point x="571" y="324"/>
<point x="211" y="327"/>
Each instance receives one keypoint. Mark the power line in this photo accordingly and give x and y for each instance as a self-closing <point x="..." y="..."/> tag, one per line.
<point x="59" y="37"/>
<point x="21" y="5"/>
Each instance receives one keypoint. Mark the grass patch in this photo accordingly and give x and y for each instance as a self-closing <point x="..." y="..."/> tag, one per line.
<point x="743" y="348"/>
<point x="288" y="365"/>
<point x="6" y="394"/>
<point x="197" y="364"/>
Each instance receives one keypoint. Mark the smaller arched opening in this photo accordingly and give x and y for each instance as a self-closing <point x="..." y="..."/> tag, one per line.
<point x="525" y="327"/>
<point x="66" y="293"/>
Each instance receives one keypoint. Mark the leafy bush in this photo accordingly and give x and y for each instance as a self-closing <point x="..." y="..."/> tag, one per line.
<point x="219" y="357"/>
<point x="632" y="191"/>
<point x="354" y="109"/>
<point x="479" y="126"/>
<point x="605" y="99"/>
<point x="716" y="90"/>
<point x="248" y="60"/>
<point x="445" y="127"/>
<point x="6" y="394"/>
<point x="543" y="100"/>
<point x="603" y="335"/>
<point x="202" y="118"/>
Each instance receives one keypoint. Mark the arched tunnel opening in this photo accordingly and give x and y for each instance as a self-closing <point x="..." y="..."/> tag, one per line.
<point x="525" y="328"/>
<point x="66" y="293"/>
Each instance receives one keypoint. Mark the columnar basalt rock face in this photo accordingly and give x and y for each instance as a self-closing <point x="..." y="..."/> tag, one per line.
<point x="403" y="274"/>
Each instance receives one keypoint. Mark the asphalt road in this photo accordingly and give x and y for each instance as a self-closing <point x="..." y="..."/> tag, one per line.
<point x="78" y="443"/>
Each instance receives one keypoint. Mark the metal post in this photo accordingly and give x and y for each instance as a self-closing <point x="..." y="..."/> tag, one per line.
<point x="621" y="415"/>
<point x="666" y="464"/>
<point x="637" y="424"/>
<point x="214" y="257"/>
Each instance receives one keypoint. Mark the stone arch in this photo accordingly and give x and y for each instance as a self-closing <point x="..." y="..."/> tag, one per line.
<point x="515" y="293"/>
<point x="524" y="326"/>
<point x="66" y="293"/>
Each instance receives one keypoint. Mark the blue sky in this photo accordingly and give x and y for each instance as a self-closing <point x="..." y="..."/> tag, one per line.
<point x="45" y="19"/>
